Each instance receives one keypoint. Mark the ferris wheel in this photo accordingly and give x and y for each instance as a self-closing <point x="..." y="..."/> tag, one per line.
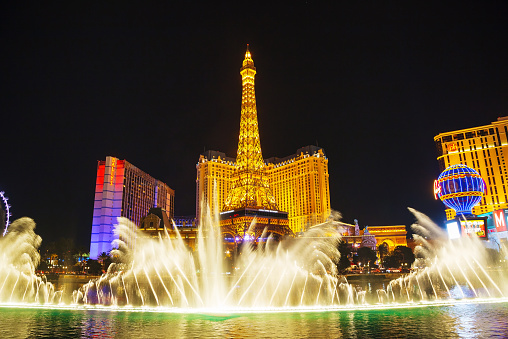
<point x="4" y="205"/>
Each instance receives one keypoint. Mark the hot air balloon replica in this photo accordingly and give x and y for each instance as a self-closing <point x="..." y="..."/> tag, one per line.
<point x="461" y="188"/>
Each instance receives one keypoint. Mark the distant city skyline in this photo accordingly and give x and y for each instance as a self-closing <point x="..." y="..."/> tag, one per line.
<point x="156" y="84"/>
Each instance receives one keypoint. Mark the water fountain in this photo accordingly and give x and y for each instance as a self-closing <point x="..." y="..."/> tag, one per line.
<point x="447" y="269"/>
<point x="294" y="274"/>
<point x="164" y="272"/>
<point x="18" y="260"/>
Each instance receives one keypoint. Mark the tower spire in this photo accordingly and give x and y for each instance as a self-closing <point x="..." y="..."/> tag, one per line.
<point x="250" y="184"/>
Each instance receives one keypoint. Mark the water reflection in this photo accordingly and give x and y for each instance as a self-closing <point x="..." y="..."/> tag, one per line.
<point x="464" y="321"/>
<point x="473" y="322"/>
<point x="97" y="327"/>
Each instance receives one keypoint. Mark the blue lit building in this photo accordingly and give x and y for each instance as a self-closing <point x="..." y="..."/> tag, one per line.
<point x="123" y="190"/>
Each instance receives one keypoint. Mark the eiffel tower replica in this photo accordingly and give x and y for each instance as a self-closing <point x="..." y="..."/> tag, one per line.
<point x="250" y="207"/>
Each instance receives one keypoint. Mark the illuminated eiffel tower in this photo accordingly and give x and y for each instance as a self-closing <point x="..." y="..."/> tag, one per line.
<point x="250" y="195"/>
<point x="250" y="184"/>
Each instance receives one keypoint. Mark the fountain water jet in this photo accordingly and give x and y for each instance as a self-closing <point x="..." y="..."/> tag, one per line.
<point x="301" y="273"/>
<point x="19" y="258"/>
<point x="448" y="265"/>
<point x="290" y="273"/>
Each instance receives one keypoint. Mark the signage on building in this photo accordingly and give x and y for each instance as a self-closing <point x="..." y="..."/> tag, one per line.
<point x="474" y="227"/>
<point x="499" y="220"/>
<point x="453" y="229"/>
<point x="113" y="171"/>
<point x="437" y="189"/>
<point x="452" y="147"/>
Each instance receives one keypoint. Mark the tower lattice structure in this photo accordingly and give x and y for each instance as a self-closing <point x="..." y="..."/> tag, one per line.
<point x="250" y="186"/>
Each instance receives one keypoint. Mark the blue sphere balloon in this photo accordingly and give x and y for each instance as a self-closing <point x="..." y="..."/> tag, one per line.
<point x="460" y="187"/>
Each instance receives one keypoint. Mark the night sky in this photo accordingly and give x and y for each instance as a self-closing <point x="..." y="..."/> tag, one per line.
<point x="370" y="82"/>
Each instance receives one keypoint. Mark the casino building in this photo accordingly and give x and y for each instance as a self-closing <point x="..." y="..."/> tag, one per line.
<point x="123" y="190"/>
<point x="299" y="183"/>
<point x="285" y="193"/>
<point x="373" y="236"/>
<point x="484" y="149"/>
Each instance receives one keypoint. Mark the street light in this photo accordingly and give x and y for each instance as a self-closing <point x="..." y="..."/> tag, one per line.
<point x="497" y="243"/>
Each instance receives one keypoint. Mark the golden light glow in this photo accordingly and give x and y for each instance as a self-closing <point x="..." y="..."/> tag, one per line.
<point x="297" y="184"/>
<point x="250" y="187"/>
<point x="483" y="148"/>
<point x="301" y="188"/>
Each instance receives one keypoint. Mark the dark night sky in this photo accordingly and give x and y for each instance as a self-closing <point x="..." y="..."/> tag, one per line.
<point x="371" y="82"/>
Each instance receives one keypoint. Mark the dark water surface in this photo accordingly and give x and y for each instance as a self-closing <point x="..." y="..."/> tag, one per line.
<point x="458" y="321"/>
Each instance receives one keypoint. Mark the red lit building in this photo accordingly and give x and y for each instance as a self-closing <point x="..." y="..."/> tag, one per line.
<point x="123" y="190"/>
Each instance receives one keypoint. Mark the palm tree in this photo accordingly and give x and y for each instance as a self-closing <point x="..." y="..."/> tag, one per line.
<point x="383" y="250"/>
<point x="102" y="259"/>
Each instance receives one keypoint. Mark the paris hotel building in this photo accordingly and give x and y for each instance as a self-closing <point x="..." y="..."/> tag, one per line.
<point x="299" y="182"/>
<point x="483" y="148"/>
<point x="123" y="190"/>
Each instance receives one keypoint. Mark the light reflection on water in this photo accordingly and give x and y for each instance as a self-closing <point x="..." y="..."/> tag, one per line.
<point x="458" y="321"/>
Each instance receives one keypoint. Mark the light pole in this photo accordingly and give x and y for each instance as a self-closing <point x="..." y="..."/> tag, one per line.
<point x="497" y="243"/>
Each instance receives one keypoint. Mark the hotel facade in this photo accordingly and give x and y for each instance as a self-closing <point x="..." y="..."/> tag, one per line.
<point x="123" y="190"/>
<point x="299" y="182"/>
<point x="483" y="148"/>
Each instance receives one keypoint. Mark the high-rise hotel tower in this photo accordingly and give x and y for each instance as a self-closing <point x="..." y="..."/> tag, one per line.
<point x="123" y="190"/>
<point x="297" y="184"/>
<point x="483" y="148"/>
